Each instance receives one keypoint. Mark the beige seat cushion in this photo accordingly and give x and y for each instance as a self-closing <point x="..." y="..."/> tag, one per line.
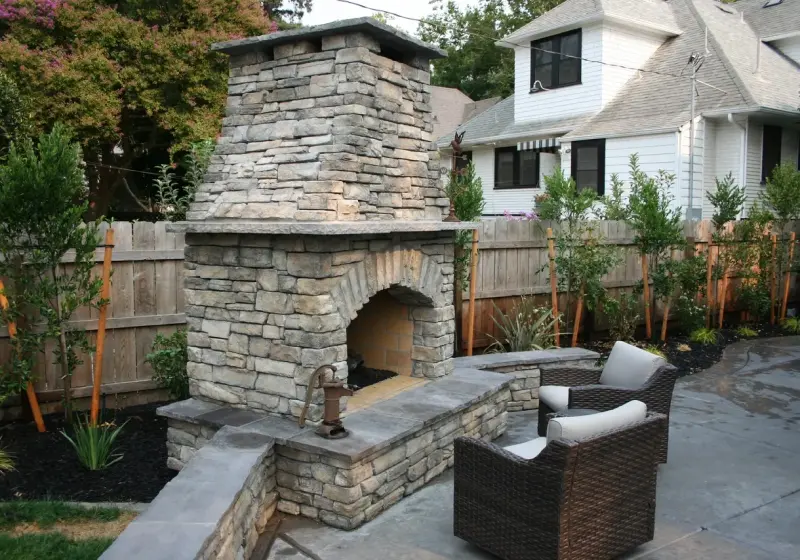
<point x="529" y="449"/>
<point x="554" y="396"/>
<point x="629" y="366"/>
<point x="583" y="427"/>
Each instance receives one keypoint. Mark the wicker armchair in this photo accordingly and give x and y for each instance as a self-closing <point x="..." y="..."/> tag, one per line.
<point x="586" y="500"/>
<point x="585" y="392"/>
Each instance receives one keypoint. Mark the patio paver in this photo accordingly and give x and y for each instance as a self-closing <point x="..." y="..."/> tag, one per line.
<point x="731" y="488"/>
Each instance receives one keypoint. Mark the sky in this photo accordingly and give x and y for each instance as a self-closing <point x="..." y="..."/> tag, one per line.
<point x="324" y="11"/>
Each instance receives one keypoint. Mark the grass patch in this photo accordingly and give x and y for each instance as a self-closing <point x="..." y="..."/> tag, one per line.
<point x="50" y="546"/>
<point x="46" y="514"/>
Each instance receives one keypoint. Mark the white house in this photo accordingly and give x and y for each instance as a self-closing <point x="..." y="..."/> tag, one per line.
<point x="598" y="80"/>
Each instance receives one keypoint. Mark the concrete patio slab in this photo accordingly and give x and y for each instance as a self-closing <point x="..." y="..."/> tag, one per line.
<point x="731" y="488"/>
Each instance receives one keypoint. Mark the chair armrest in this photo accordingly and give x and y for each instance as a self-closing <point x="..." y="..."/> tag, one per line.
<point x="569" y="377"/>
<point x="656" y="393"/>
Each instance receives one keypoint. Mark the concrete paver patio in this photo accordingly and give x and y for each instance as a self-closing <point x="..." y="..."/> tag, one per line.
<point x="731" y="488"/>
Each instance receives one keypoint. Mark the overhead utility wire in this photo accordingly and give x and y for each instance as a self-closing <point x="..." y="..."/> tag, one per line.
<point x="531" y="47"/>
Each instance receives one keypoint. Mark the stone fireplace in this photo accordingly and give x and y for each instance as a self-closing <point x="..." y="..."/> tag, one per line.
<point x="318" y="238"/>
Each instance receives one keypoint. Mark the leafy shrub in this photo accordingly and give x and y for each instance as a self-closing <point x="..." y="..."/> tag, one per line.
<point x="614" y="207"/>
<point x="623" y="315"/>
<point x="704" y="336"/>
<point x="655" y="350"/>
<point x="755" y="298"/>
<point x="465" y="191"/>
<point x="791" y="324"/>
<point x="728" y="200"/>
<point x="781" y="194"/>
<point x="14" y="121"/>
<point x="746" y="332"/>
<point x="94" y="444"/>
<point x="168" y="360"/>
<point x="173" y="199"/>
<point x="526" y="327"/>
<point x="690" y="315"/>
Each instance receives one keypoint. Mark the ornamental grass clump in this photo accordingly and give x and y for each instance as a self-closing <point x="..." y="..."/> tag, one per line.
<point x="526" y="327"/>
<point x="746" y="332"/>
<point x="94" y="444"/>
<point x="704" y="336"/>
<point x="791" y="325"/>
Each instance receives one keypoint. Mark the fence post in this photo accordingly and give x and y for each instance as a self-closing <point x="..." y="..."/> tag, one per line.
<point x="551" y="248"/>
<point x="472" y="285"/>
<point x="788" y="276"/>
<point x="646" y="294"/>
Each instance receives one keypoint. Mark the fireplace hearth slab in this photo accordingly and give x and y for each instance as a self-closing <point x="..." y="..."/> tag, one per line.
<point x="318" y="228"/>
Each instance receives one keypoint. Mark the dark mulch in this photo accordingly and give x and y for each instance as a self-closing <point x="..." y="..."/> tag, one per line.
<point x="690" y="357"/>
<point x="46" y="466"/>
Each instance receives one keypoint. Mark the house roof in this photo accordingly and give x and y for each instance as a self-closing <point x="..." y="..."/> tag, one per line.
<point x="447" y="106"/>
<point x="750" y="81"/>
<point x="653" y="14"/>
<point x="497" y="124"/>
<point x="774" y="20"/>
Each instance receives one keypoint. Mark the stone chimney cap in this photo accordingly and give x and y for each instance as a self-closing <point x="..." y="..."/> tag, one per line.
<point x="384" y="34"/>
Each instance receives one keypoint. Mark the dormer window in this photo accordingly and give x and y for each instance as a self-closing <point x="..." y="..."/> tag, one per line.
<point x="555" y="61"/>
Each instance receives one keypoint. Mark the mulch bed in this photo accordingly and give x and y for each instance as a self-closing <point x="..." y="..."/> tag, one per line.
<point x="47" y="466"/>
<point x="690" y="357"/>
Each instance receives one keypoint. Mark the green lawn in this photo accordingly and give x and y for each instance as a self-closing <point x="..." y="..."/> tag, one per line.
<point x="50" y="546"/>
<point x="38" y="539"/>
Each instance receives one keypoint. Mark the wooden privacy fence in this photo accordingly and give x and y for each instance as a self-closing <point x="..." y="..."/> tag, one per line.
<point x="513" y="261"/>
<point x="146" y="299"/>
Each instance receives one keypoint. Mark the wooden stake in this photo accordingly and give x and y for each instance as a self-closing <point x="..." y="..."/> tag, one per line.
<point x="578" y="313"/>
<point x="723" y="294"/>
<point x="31" y="393"/>
<point x="458" y="302"/>
<point x="787" y="276"/>
<point x="646" y="294"/>
<point x="774" y="280"/>
<point x="101" y="325"/>
<point x="664" y="321"/>
<point x="709" y="284"/>
<point x="472" y="285"/>
<point x="553" y="283"/>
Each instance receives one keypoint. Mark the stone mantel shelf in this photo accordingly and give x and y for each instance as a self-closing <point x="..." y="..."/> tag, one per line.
<point x="318" y="228"/>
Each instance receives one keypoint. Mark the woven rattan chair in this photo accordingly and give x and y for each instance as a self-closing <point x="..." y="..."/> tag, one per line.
<point x="597" y="389"/>
<point x="590" y="499"/>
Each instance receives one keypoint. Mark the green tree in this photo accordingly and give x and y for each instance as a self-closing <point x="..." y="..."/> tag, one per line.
<point x="40" y="221"/>
<point x="474" y="63"/>
<point x="728" y="200"/>
<point x="130" y="77"/>
<point x="14" y="121"/>
<point x="465" y="191"/>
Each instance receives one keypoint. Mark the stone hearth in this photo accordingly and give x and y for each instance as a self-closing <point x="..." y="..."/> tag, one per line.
<point x="319" y="233"/>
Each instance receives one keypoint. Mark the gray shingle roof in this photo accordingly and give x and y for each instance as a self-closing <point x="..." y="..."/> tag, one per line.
<point x="447" y="106"/>
<point x="772" y="21"/>
<point x="655" y="14"/>
<point x="652" y="102"/>
<point x="497" y="123"/>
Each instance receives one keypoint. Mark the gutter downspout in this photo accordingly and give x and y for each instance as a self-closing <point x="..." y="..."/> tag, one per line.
<point x="742" y="153"/>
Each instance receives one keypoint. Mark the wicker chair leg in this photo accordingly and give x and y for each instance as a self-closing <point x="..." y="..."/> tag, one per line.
<point x="544" y="411"/>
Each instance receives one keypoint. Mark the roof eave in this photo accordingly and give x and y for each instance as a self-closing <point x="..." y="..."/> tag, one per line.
<point x="509" y="41"/>
<point x="789" y="35"/>
<point x="578" y="138"/>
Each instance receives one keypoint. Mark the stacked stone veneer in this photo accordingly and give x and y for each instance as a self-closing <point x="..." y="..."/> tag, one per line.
<point x="526" y="368"/>
<point x="264" y="312"/>
<point x="325" y="129"/>
<point x="216" y="507"/>
<point x="345" y="493"/>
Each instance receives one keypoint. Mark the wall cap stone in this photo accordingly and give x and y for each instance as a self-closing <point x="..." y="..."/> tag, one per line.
<point x="317" y="228"/>
<point x="530" y="358"/>
<point x="385" y="34"/>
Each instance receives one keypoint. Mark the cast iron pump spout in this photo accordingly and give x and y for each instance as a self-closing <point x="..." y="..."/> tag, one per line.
<point x="331" y="427"/>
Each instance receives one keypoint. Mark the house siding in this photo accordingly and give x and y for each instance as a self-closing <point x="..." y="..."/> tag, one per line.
<point x="561" y="102"/>
<point x="656" y="152"/>
<point x="682" y="184"/>
<point x="755" y="135"/>
<point x="498" y="201"/>
<point x="790" y="47"/>
<point x="625" y="47"/>
<point x="709" y="165"/>
<point x="725" y="152"/>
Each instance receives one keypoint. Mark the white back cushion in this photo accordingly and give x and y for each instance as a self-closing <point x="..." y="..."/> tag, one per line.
<point x="582" y="427"/>
<point x="629" y="366"/>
